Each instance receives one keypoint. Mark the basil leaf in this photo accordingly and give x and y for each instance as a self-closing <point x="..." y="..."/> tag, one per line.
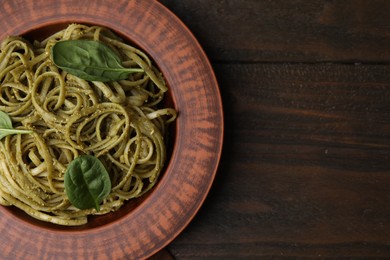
<point x="6" y="126"/>
<point x="90" y="60"/>
<point x="87" y="182"/>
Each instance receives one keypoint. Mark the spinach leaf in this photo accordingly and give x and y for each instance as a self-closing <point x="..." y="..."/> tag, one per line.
<point x="90" y="60"/>
<point x="87" y="182"/>
<point x="6" y="126"/>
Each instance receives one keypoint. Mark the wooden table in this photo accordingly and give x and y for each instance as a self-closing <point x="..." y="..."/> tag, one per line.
<point x="305" y="170"/>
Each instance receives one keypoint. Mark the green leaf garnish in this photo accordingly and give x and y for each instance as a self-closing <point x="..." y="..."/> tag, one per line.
<point x="87" y="182"/>
<point x="90" y="60"/>
<point x="6" y="127"/>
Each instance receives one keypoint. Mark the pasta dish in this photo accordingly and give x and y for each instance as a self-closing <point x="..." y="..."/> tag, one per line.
<point x="123" y="123"/>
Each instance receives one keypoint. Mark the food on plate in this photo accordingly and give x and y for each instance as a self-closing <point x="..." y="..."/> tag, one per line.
<point x="83" y="124"/>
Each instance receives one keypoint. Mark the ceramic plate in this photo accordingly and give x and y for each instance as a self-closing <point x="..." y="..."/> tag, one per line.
<point x="146" y="225"/>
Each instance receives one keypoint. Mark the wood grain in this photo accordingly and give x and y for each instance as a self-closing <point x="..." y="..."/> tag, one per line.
<point x="305" y="167"/>
<point x="305" y="170"/>
<point x="289" y="31"/>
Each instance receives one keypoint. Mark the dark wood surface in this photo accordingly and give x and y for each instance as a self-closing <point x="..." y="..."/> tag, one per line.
<point x="305" y="170"/>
